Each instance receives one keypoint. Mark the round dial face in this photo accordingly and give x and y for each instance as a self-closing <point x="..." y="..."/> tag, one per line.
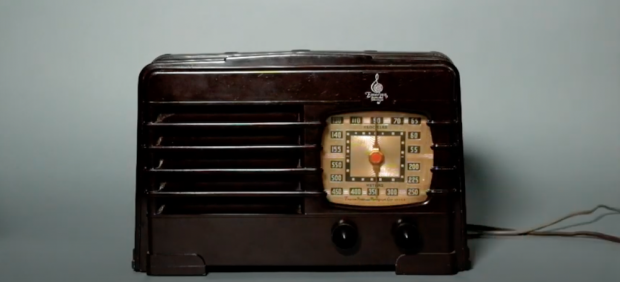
<point x="377" y="159"/>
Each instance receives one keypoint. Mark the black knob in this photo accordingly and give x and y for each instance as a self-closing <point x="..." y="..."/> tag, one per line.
<point x="407" y="237"/>
<point x="344" y="235"/>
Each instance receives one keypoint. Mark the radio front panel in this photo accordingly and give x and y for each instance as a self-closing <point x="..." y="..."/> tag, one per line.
<point x="354" y="163"/>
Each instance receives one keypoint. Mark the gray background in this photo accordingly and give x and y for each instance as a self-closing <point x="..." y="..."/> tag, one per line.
<point x="541" y="92"/>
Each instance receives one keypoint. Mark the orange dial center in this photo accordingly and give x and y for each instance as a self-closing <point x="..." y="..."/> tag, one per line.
<point x="376" y="158"/>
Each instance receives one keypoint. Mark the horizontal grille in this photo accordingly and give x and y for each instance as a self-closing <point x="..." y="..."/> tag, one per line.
<point x="227" y="159"/>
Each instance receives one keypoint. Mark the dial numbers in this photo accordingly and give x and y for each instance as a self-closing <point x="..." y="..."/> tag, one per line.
<point x="413" y="192"/>
<point x="337" y="164"/>
<point x="399" y="176"/>
<point x="413" y="179"/>
<point x="355" y="191"/>
<point x="415" y="120"/>
<point x="391" y="191"/>
<point x="336" y="134"/>
<point x="376" y="120"/>
<point x="336" y="191"/>
<point x="373" y="192"/>
<point x="413" y="135"/>
<point x="337" y="120"/>
<point x="413" y="149"/>
<point x="398" y="120"/>
<point x="335" y="178"/>
<point x="413" y="166"/>
<point x="356" y="120"/>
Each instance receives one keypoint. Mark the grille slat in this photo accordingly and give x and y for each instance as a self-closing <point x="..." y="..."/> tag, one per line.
<point x="277" y="148"/>
<point x="239" y="194"/>
<point x="239" y="185"/>
<point x="236" y="171"/>
<point x="254" y="125"/>
<point x="197" y="141"/>
<point x="249" y="157"/>
<point x="228" y="205"/>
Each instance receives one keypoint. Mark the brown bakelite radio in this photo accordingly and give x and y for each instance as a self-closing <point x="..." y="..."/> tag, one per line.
<point x="301" y="160"/>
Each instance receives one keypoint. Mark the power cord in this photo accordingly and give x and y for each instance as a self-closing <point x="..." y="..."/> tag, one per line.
<point x="478" y="231"/>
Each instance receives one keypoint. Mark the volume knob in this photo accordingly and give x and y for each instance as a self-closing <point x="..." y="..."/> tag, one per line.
<point x="407" y="237"/>
<point x="344" y="235"/>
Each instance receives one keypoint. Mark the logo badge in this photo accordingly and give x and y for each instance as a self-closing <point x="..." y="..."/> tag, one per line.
<point x="375" y="94"/>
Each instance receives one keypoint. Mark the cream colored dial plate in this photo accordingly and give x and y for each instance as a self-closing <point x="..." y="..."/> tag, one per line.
<point x="377" y="159"/>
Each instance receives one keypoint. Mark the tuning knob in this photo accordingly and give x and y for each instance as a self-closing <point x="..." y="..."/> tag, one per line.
<point x="344" y="235"/>
<point x="407" y="237"/>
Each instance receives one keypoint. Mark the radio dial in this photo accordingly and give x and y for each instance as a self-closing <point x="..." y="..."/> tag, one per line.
<point x="377" y="158"/>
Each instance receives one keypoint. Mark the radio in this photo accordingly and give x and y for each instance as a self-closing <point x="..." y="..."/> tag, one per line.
<point x="300" y="160"/>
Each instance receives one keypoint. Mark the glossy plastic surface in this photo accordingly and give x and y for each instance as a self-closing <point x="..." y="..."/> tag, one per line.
<point x="229" y="170"/>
